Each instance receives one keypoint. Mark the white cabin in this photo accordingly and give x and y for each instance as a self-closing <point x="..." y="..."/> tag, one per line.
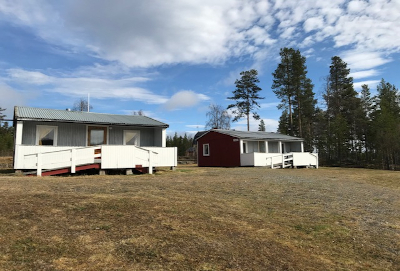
<point x="52" y="141"/>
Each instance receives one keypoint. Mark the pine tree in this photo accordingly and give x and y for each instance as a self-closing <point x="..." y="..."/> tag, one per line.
<point x="246" y="96"/>
<point x="295" y="90"/>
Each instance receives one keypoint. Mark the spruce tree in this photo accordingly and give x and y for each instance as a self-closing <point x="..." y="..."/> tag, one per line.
<point x="386" y="129"/>
<point x="342" y="105"/>
<point x="246" y="96"/>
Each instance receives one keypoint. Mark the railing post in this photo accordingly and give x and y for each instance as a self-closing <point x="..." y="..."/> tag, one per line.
<point x="283" y="160"/>
<point x="39" y="164"/>
<point x="150" y="163"/>
<point x="272" y="162"/>
<point x="73" y="160"/>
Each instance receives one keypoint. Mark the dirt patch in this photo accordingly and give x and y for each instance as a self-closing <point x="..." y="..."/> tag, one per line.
<point x="203" y="219"/>
<point x="6" y="162"/>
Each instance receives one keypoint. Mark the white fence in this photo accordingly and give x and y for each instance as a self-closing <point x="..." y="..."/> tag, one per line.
<point x="110" y="156"/>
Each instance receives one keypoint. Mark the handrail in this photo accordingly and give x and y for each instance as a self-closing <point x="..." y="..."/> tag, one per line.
<point x="68" y="149"/>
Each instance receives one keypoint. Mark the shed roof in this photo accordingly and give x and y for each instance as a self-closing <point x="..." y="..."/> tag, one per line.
<point x="45" y="114"/>
<point x="255" y="135"/>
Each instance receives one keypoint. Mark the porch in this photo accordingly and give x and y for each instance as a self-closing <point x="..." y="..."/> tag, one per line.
<point x="44" y="158"/>
<point x="279" y="160"/>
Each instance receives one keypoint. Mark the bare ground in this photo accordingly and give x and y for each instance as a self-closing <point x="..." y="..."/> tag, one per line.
<point x="203" y="219"/>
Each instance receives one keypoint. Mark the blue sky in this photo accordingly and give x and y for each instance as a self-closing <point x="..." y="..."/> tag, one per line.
<point x="172" y="59"/>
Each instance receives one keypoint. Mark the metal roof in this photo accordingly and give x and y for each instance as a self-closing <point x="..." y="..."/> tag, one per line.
<point x="256" y="135"/>
<point x="45" y="114"/>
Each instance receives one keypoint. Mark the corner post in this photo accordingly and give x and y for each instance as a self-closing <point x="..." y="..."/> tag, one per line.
<point x="73" y="160"/>
<point x="39" y="164"/>
<point x="150" y="162"/>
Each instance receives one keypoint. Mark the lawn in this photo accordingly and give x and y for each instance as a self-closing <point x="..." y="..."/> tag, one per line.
<point x="203" y="219"/>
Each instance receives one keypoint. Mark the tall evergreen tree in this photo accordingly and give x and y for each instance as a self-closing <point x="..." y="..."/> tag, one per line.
<point x="342" y="105"/>
<point x="295" y="90"/>
<point x="363" y="124"/>
<point x="246" y="96"/>
<point x="386" y="128"/>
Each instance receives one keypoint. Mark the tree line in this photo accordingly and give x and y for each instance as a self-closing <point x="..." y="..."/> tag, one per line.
<point x="183" y="143"/>
<point x="347" y="128"/>
<point x="6" y="136"/>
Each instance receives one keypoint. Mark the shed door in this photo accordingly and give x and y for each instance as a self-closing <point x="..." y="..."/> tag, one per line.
<point x="97" y="135"/>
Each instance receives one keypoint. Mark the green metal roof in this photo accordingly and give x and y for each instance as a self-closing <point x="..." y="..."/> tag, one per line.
<point x="256" y="135"/>
<point x="45" y="114"/>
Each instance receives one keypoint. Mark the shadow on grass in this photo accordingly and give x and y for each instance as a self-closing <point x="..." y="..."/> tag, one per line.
<point x="6" y="171"/>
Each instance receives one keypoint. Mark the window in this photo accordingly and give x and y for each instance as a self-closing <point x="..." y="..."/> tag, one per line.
<point x="244" y="147"/>
<point x="206" y="149"/>
<point x="46" y="135"/>
<point x="97" y="135"/>
<point x="261" y="146"/>
<point x="131" y="137"/>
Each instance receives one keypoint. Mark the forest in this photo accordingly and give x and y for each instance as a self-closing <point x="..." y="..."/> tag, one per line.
<point x="350" y="128"/>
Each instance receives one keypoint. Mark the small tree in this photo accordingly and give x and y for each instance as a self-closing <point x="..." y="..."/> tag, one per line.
<point x="246" y="96"/>
<point x="138" y="113"/>
<point x="218" y="118"/>
<point x="261" y="126"/>
<point x="1" y="114"/>
<point x="82" y="105"/>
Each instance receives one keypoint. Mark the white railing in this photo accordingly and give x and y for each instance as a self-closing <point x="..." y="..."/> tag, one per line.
<point x="167" y="156"/>
<point x="112" y="157"/>
<point x="54" y="159"/>
<point x="279" y="160"/>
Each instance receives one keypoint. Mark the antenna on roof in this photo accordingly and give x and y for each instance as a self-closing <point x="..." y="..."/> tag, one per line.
<point x="88" y="104"/>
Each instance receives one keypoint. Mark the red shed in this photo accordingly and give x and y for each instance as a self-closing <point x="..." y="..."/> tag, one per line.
<point x="229" y="148"/>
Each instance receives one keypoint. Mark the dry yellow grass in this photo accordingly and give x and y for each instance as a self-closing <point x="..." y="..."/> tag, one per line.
<point x="203" y="219"/>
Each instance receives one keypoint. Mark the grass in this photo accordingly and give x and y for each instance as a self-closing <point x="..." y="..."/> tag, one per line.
<point x="203" y="219"/>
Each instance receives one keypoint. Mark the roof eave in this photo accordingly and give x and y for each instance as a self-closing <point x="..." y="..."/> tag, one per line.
<point x="91" y="122"/>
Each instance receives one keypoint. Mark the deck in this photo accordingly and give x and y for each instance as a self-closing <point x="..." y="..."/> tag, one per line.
<point x="45" y="158"/>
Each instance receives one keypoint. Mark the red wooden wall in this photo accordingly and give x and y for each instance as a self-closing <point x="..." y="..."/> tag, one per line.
<point x="224" y="150"/>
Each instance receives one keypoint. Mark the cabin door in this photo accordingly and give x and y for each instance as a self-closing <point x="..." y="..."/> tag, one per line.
<point x="97" y="135"/>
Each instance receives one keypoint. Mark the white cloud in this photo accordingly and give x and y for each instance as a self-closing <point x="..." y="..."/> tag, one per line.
<point x="314" y="23"/>
<point x="184" y="99"/>
<point x="10" y="98"/>
<point x="71" y="85"/>
<point x="359" y="60"/>
<point x="363" y="74"/>
<point x="371" y="84"/>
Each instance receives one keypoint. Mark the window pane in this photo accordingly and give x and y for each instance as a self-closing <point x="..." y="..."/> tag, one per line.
<point x="131" y="138"/>
<point x="47" y="137"/>
<point x="206" y="149"/>
<point x="96" y="137"/>
<point x="262" y="146"/>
